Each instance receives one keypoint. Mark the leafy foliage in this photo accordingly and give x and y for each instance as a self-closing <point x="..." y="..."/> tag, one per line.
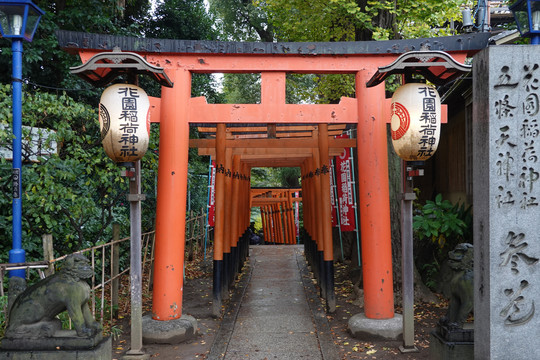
<point x="443" y="225"/>
<point x="265" y="177"/>
<point x="347" y="20"/>
<point x="355" y="20"/>
<point x="242" y="88"/>
<point x="179" y="19"/>
<point x="44" y="63"/>
<point x="75" y="194"/>
<point x="290" y="177"/>
<point x="441" y="222"/>
<point x="3" y="314"/>
<point x="242" y="20"/>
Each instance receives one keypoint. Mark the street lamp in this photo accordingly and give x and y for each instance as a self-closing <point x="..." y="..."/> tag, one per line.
<point x="18" y="21"/>
<point x="527" y="15"/>
<point x="125" y="140"/>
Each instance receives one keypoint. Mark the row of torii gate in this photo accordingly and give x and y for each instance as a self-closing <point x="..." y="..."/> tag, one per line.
<point x="278" y="209"/>
<point x="295" y="135"/>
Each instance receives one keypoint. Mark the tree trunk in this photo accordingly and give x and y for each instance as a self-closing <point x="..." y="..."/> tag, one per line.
<point x="121" y="8"/>
<point x="383" y="19"/>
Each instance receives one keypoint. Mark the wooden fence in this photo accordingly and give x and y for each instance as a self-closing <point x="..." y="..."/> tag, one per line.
<point x="195" y="234"/>
<point x="109" y="267"/>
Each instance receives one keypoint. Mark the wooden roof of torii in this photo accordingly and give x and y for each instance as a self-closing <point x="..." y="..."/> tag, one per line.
<point x="72" y="41"/>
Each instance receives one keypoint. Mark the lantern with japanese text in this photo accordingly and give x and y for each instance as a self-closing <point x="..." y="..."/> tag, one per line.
<point x="124" y="122"/>
<point x="416" y="121"/>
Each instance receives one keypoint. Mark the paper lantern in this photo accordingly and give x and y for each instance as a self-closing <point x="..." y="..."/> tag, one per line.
<point x="124" y="122"/>
<point x="416" y="121"/>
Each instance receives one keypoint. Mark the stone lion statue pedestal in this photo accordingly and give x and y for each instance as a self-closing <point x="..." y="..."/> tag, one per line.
<point x="61" y="340"/>
<point x="35" y="332"/>
<point x="453" y="339"/>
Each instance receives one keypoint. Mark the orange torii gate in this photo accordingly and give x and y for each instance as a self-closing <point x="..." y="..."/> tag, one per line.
<point x="277" y="202"/>
<point x="177" y="109"/>
<point x="283" y="146"/>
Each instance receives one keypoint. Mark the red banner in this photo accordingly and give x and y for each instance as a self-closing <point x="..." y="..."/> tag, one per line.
<point x="297" y="214"/>
<point x="212" y="195"/>
<point x="345" y="192"/>
<point x="333" y="197"/>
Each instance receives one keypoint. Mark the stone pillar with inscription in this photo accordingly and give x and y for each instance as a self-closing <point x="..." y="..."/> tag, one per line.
<point x="506" y="192"/>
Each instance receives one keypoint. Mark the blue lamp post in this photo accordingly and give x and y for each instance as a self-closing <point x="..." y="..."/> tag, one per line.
<point x="18" y="21"/>
<point x="527" y="15"/>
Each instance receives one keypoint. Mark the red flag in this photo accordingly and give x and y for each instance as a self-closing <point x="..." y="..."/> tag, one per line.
<point x="333" y="197"/>
<point x="345" y="192"/>
<point x="212" y="196"/>
<point x="297" y="213"/>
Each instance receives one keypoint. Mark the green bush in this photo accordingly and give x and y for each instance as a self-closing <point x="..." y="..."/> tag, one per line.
<point x="443" y="225"/>
<point x="442" y="222"/>
<point x="76" y="193"/>
<point x="3" y="314"/>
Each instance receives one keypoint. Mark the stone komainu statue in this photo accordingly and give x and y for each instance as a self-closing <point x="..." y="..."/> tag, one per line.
<point x="461" y="287"/>
<point x="33" y="313"/>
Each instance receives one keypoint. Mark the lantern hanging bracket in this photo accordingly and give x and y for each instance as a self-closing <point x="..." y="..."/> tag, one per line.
<point x="436" y="66"/>
<point x="101" y="69"/>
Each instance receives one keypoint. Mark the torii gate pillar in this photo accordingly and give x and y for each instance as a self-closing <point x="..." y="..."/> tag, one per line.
<point x="171" y="216"/>
<point x="373" y="191"/>
<point x="374" y="195"/>
<point x="171" y="198"/>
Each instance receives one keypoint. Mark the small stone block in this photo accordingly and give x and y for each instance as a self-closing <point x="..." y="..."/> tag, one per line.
<point x="440" y="349"/>
<point x="409" y="349"/>
<point x="140" y="356"/>
<point x="362" y="327"/>
<point x="456" y="335"/>
<point x="62" y="340"/>
<point x="170" y="331"/>
<point x="102" y="351"/>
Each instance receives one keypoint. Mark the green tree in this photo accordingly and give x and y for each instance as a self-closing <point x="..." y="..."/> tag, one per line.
<point x="360" y="20"/>
<point x="242" y="20"/>
<point x="180" y="19"/>
<point x="356" y="20"/>
<point x="74" y="194"/>
<point x="45" y="65"/>
<point x="265" y="177"/>
<point x="188" y="20"/>
<point x="77" y="193"/>
<point x="242" y="88"/>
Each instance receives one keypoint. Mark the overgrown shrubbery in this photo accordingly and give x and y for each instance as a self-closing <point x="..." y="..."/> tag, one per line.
<point x="76" y="194"/>
<point x="442" y="222"/>
<point x="439" y="226"/>
<point x="3" y="314"/>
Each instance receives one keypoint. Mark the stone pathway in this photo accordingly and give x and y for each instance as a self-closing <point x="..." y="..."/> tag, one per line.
<point x="274" y="312"/>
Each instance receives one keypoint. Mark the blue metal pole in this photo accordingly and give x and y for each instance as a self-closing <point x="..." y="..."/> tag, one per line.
<point x="17" y="254"/>
<point x="535" y="39"/>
